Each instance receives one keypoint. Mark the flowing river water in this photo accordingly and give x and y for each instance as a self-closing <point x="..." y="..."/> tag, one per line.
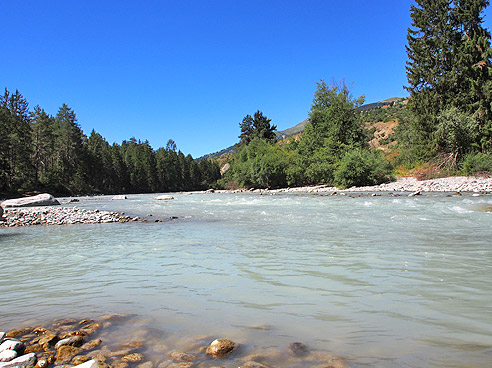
<point x="376" y="281"/>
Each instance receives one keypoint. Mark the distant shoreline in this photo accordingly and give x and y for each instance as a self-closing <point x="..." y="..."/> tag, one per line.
<point x="456" y="184"/>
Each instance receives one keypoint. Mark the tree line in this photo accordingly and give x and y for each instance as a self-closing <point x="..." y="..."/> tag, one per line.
<point x="447" y="123"/>
<point x="41" y="152"/>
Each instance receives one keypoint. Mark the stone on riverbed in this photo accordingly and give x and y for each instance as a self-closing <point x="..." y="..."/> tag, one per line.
<point x="221" y="347"/>
<point x="72" y="341"/>
<point x="44" y="199"/>
<point x="24" y="361"/>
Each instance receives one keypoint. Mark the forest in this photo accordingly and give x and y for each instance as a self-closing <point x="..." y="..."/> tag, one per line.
<point x="444" y="129"/>
<point x="44" y="153"/>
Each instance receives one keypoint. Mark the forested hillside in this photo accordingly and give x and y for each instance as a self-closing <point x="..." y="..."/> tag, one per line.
<point x="41" y="152"/>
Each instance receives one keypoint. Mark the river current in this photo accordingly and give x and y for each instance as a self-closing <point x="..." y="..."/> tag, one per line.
<point x="377" y="281"/>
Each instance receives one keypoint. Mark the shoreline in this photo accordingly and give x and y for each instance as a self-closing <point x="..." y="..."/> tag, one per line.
<point x="451" y="184"/>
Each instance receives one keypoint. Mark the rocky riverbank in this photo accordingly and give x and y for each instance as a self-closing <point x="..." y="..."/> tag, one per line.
<point x="455" y="184"/>
<point x="110" y="342"/>
<point x="64" y="216"/>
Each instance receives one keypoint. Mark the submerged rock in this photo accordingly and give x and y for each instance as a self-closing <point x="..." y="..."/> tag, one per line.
<point x="221" y="347"/>
<point x="66" y="353"/>
<point x="44" y="199"/>
<point x="72" y="341"/>
<point x="298" y="349"/>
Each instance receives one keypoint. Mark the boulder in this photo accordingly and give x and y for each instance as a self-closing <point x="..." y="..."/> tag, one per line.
<point x="164" y="197"/>
<point x="24" y="361"/>
<point x="221" y="347"/>
<point x="119" y="196"/>
<point x="44" y="199"/>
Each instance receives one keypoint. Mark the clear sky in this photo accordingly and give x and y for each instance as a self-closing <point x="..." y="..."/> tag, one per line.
<point x="190" y="70"/>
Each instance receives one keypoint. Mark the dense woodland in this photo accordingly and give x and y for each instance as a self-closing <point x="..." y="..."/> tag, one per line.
<point x="446" y="128"/>
<point x="41" y="152"/>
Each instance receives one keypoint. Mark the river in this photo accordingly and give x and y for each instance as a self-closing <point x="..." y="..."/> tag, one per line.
<point x="377" y="281"/>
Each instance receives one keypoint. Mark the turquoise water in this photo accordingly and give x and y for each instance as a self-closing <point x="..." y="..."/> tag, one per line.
<point x="378" y="281"/>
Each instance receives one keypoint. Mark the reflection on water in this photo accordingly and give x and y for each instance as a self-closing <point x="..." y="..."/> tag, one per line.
<point x="377" y="280"/>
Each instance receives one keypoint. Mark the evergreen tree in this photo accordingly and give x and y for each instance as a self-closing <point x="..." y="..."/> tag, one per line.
<point x="449" y="67"/>
<point x="43" y="144"/>
<point x="16" y="143"/>
<point x="256" y="127"/>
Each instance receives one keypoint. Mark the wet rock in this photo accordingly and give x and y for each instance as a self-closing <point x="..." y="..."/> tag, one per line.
<point x="120" y="365"/>
<point x="418" y="192"/>
<point x="73" y="333"/>
<point x="298" y="349"/>
<point x="89" y="364"/>
<point x="171" y="364"/>
<point x="79" y="359"/>
<point x="180" y="357"/>
<point x="72" y="341"/>
<point x="42" y="363"/>
<point x="133" y="357"/>
<point x="91" y="344"/>
<point x="119" y="197"/>
<point x="8" y="344"/>
<point x="145" y="365"/>
<point x="65" y="354"/>
<point x="18" y="333"/>
<point x="253" y="364"/>
<point x="221" y="347"/>
<point x="132" y="345"/>
<point x="32" y="349"/>
<point x="2" y="335"/>
<point x="7" y="355"/>
<point x="50" y="339"/>
<point x="44" y="199"/>
<point x="24" y="361"/>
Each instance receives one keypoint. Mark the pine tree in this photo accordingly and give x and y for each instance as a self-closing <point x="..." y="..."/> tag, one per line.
<point x="430" y="63"/>
<point x="473" y="66"/>
<point x="16" y="144"/>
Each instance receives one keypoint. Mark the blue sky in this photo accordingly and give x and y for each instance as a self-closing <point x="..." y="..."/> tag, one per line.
<point x="190" y="70"/>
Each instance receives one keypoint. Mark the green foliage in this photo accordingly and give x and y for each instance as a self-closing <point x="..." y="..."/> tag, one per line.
<point x="262" y="165"/>
<point x="449" y="66"/>
<point x="361" y="167"/>
<point x="476" y="163"/>
<point x="257" y="127"/>
<point x="456" y="131"/>
<point x="334" y="127"/>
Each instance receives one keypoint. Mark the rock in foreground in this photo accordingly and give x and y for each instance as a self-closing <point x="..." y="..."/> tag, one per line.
<point x="44" y="199"/>
<point x="220" y="348"/>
